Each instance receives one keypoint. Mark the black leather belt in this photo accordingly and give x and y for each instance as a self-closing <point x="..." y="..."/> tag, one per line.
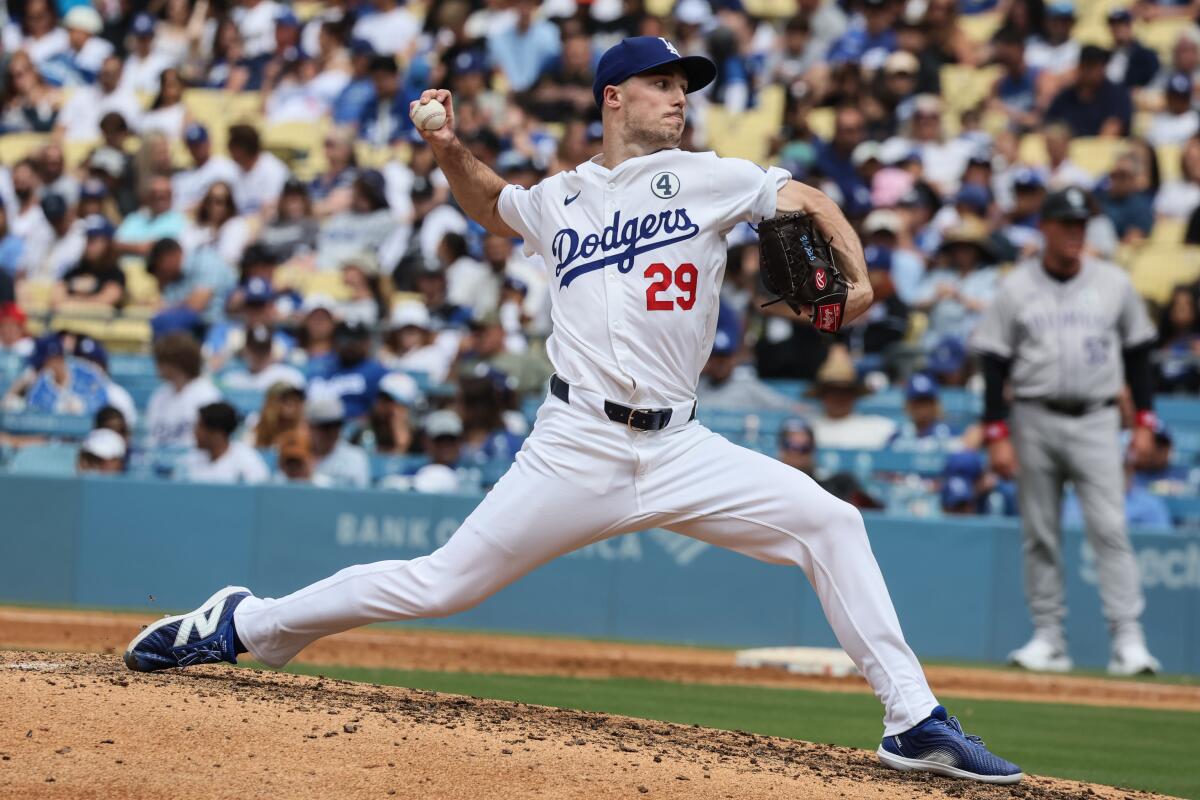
<point x="638" y="419"/>
<point x="1073" y="408"/>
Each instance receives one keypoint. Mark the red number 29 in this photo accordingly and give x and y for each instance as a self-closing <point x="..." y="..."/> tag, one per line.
<point x="685" y="279"/>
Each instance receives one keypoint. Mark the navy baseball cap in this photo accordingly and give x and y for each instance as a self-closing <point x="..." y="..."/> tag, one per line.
<point x="258" y="291"/>
<point x="1119" y="15"/>
<point x="98" y="225"/>
<point x="45" y="348"/>
<point x="1180" y="83"/>
<point x="974" y="196"/>
<point x="956" y="491"/>
<point x="93" y="189"/>
<point x="948" y="355"/>
<point x="54" y="207"/>
<point x="1026" y="178"/>
<point x="921" y="387"/>
<point x="143" y="25"/>
<point x="641" y="53"/>
<point x="195" y="133"/>
<point x="878" y="257"/>
<point x="964" y="464"/>
<point x="92" y="350"/>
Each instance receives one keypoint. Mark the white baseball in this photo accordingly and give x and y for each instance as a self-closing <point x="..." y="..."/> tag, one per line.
<point x="429" y="116"/>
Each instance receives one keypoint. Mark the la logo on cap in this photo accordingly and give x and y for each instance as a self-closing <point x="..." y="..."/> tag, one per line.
<point x="669" y="46"/>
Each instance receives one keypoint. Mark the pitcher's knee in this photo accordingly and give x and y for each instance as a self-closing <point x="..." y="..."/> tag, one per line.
<point x="445" y="601"/>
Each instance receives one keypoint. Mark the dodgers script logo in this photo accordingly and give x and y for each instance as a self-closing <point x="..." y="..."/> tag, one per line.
<point x="619" y="243"/>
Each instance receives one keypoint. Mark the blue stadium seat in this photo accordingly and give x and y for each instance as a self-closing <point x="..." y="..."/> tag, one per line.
<point x="37" y="423"/>
<point x="246" y="401"/>
<point x="55" y="458"/>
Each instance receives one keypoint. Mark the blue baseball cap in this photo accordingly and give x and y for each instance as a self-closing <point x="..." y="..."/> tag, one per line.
<point x="956" y="491"/>
<point x="92" y="350"/>
<point x="796" y="434"/>
<point x="1026" y="178"/>
<point x="143" y="25"/>
<point x="921" y="387"/>
<point x="93" y="189"/>
<point x="948" y="355"/>
<point x="98" y="225"/>
<point x="258" y="291"/>
<point x="1180" y="83"/>
<point x="964" y="464"/>
<point x="878" y="257"/>
<point x="45" y="348"/>
<point x="728" y="334"/>
<point x="1120" y="15"/>
<point x="176" y="319"/>
<point x="287" y="19"/>
<point x="361" y="47"/>
<point x="973" y="196"/>
<point x="195" y="133"/>
<point x="641" y="53"/>
<point x="470" y="62"/>
<point x="1060" y="8"/>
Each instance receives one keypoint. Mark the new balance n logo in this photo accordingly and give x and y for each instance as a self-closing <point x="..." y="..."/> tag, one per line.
<point x="204" y="627"/>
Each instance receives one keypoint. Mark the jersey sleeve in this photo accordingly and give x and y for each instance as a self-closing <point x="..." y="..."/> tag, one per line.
<point x="520" y="208"/>
<point x="1134" y="321"/>
<point x="997" y="331"/>
<point x="742" y="191"/>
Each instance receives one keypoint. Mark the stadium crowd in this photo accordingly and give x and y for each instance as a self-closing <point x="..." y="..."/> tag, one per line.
<point x="242" y="180"/>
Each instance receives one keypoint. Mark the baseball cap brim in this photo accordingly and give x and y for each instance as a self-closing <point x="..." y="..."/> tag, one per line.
<point x="700" y="72"/>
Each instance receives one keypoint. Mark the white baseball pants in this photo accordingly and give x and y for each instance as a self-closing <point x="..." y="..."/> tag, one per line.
<point x="579" y="479"/>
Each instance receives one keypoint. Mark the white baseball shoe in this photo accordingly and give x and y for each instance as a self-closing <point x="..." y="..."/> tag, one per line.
<point x="1133" y="658"/>
<point x="1041" y="655"/>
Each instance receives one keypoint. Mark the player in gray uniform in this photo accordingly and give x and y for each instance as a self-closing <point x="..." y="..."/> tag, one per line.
<point x="1064" y="332"/>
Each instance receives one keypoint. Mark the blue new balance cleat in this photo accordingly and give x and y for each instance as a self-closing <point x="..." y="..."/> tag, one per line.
<point x="939" y="745"/>
<point x="203" y="636"/>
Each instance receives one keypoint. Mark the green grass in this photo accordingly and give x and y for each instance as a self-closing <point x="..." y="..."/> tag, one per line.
<point x="1129" y="747"/>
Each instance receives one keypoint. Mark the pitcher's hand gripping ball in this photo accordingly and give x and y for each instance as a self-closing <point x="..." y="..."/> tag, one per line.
<point x="429" y="116"/>
<point x="798" y="266"/>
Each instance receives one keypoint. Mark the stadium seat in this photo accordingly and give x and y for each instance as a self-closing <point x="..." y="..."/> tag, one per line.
<point x="127" y="335"/>
<point x="1168" y="231"/>
<point x="15" y="146"/>
<point x="1032" y="150"/>
<point x="1170" y="165"/>
<point x="77" y="152"/>
<point x="37" y="423"/>
<point x="747" y="135"/>
<point x="964" y="87"/>
<point x="55" y="458"/>
<point x="1156" y="268"/>
<point x="298" y="138"/>
<point x="1161" y="34"/>
<point x="772" y="9"/>
<point x="1096" y="154"/>
<point x="821" y="122"/>
<point x="980" y="27"/>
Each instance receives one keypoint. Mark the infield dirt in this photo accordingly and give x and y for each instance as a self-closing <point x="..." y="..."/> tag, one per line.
<point x="81" y="726"/>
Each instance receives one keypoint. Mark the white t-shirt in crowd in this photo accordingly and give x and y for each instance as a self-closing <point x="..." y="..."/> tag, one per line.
<point x="261" y="185"/>
<point x="346" y="465"/>
<point x="171" y="415"/>
<point x="390" y="32"/>
<point x="189" y="187"/>
<point x="240" y="463"/>
<point x="855" y="432"/>
<point x="257" y="26"/>
<point x="80" y="117"/>
<point x="142" y="74"/>
<point x="244" y="379"/>
<point x="167" y="121"/>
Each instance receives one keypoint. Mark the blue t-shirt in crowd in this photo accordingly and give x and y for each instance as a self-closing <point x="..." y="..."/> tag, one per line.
<point x="352" y="101"/>
<point x="1132" y="211"/>
<point x="356" y="385"/>
<point x="1085" y="118"/>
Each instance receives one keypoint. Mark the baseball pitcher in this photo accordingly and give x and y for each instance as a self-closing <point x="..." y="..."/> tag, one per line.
<point x="634" y="243"/>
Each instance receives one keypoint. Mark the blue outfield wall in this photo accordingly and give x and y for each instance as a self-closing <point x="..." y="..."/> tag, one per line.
<point x="159" y="545"/>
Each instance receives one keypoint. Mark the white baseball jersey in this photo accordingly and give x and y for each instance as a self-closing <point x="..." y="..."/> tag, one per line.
<point x="635" y="256"/>
<point x="1065" y="337"/>
<point x="171" y="415"/>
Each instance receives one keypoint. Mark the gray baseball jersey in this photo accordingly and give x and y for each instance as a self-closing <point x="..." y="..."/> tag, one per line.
<point x="1064" y="337"/>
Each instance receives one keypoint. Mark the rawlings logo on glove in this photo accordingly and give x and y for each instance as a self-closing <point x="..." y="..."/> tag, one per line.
<point x="798" y="266"/>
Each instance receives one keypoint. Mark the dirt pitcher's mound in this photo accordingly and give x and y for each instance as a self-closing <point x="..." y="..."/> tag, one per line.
<point x="81" y="726"/>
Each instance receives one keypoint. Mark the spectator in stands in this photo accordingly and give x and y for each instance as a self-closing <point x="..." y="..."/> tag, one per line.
<point x="365" y="304"/>
<point x="1094" y="105"/>
<point x="1178" y="198"/>
<point x="385" y="118"/>
<point x="315" y="353"/>
<point x="155" y="220"/>
<point x="296" y="461"/>
<point x="174" y="406"/>
<point x="332" y="191"/>
<point x="13" y="338"/>
<point x="251" y="305"/>
<point x="1143" y="510"/>
<point x="564" y="89"/>
<point x="218" y="457"/>
<point x="258" y="367"/>
<point x="11" y="246"/>
<point x="925" y="428"/>
<point x="218" y="226"/>
<point x="1124" y="203"/>
<point x="1062" y="171"/>
<point x="102" y="452"/>
<point x="1178" y="122"/>
<point x="85" y="347"/>
<point x="723" y="384"/>
<point x="989" y="495"/>
<point x="1132" y="65"/>
<point x="955" y="294"/>
<point x="389" y="428"/>
<point x="839" y="426"/>
<point x="97" y="280"/>
<point x="30" y="105"/>
<point x="1021" y="221"/>
<point x="489" y="344"/>
<point x="261" y="175"/>
<point x="1015" y="92"/>
<point x="411" y="344"/>
<point x="143" y="64"/>
<point x="1156" y="474"/>
<point x="958" y="497"/>
<point x="37" y="32"/>
<point x="443" y="438"/>
<point x="110" y="418"/>
<point x="354" y="376"/>
<point x="1055" y="52"/>
<point x="293" y="232"/>
<point x="389" y="28"/>
<point x="948" y="361"/>
<point x="282" y="411"/>
<point x="352" y="101"/>
<point x="56" y="180"/>
<point x="26" y="219"/>
<point x="1179" y="343"/>
<point x="338" y="461"/>
<point x="79" y="63"/>
<point x="485" y="438"/>
<point x="797" y="448"/>
<point x="836" y="159"/>
<point x="70" y="240"/>
<point x="190" y="186"/>
<point x="522" y="49"/>
<point x="199" y="281"/>
<point x="57" y="383"/>
<point x="80" y="117"/>
<point x="366" y="226"/>
<point x="870" y="39"/>
<point x="167" y="114"/>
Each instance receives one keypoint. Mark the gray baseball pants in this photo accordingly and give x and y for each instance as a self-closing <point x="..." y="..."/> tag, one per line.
<point x="1052" y="449"/>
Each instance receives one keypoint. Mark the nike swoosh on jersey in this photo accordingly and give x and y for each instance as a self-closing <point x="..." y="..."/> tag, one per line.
<point x="568" y="200"/>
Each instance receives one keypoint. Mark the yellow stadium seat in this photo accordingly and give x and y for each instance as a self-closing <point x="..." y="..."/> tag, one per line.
<point x="747" y="135"/>
<point x="964" y="87"/>
<point x="659" y="8"/>
<point x="980" y="27"/>
<point x="141" y="286"/>
<point x="1096" y="154"/>
<point x="1158" y="268"/>
<point x="1032" y="150"/>
<point x="1168" y="231"/>
<point x="16" y="146"/>
<point x="821" y="122"/>
<point x="88" y="326"/>
<point x="76" y="153"/>
<point x="304" y="137"/>
<point x="34" y="296"/>
<point x="127" y="335"/>
<point x="1170" y="166"/>
<point x="326" y="283"/>
<point x="772" y="9"/>
<point x="1092" y="31"/>
<point x="306" y="9"/>
<point x="1161" y="34"/>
